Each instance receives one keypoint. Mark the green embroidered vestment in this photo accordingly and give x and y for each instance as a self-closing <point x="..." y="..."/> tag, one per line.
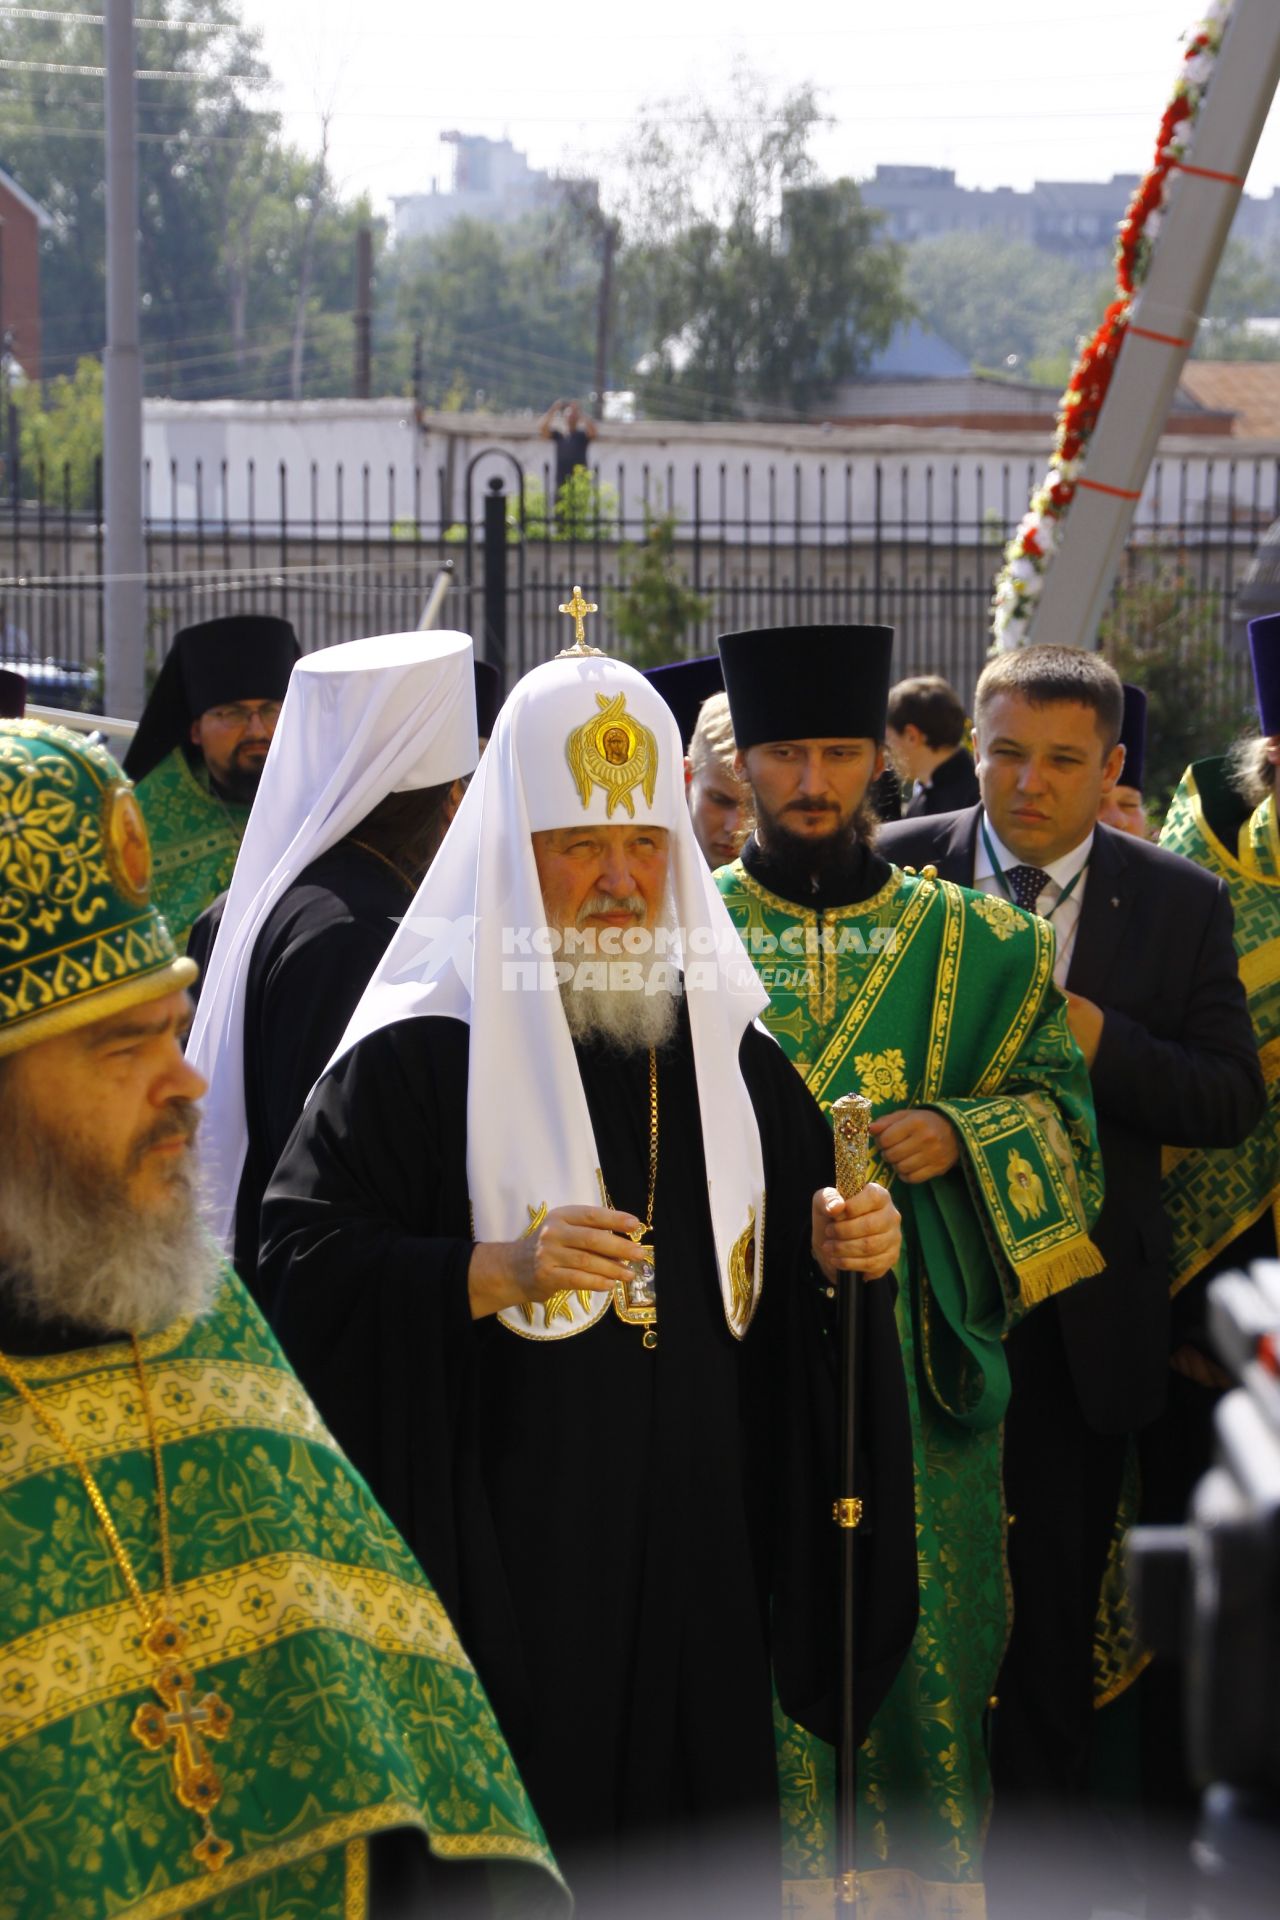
<point x="195" y="837"/>
<point x="930" y="995"/>
<point x="353" y="1708"/>
<point x="1211" y="1194"/>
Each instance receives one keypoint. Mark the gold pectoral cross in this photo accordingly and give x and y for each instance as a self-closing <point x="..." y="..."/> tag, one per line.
<point x="577" y="609"/>
<point x="188" y="1722"/>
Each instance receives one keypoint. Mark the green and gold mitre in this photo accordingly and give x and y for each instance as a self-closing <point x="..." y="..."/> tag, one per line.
<point x="79" y="937"/>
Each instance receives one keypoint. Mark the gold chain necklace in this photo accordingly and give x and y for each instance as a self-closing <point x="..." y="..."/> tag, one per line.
<point x="635" y="1300"/>
<point x="387" y="862"/>
<point x="181" y="1718"/>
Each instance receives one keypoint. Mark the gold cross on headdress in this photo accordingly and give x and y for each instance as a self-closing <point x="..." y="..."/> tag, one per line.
<point x="577" y="609"/>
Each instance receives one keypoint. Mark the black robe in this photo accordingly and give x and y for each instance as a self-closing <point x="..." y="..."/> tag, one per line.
<point x="313" y="958"/>
<point x="627" y="1540"/>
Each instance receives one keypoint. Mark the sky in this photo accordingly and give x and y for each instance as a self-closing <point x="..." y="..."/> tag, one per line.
<point x="1004" y="94"/>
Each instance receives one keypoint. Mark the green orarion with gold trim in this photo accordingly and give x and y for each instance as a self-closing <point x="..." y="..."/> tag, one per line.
<point x="1212" y="1194"/>
<point x="347" y="1705"/>
<point x="195" y="837"/>
<point x="928" y="994"/>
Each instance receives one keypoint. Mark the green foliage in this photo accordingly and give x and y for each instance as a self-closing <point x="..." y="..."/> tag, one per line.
<point x="506" y="314"/>
<point x="653" y="609"/>
<point x="1246" y="286"/>
<point x="227" y="208"/>
<point x="749" y="284"/>
<point x="993" y="299"/>
<point x="1166" y="638"/>
<point x="586" y="508"/>
<point x="60" y="441"/>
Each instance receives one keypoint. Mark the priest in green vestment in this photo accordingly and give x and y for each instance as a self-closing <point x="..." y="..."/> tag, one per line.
<point x="199" y="751"/>
<point x="1224" y="1205"/>
<point x="226" y="1687"/>
<point x="939" y="1005"/>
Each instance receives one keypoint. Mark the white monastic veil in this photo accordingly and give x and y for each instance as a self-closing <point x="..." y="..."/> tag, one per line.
<point x="359" y="722"/>
<point x="467" y="949"/>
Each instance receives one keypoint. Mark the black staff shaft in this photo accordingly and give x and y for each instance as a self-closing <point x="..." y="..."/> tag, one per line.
<point x="850" y="1119"/>
<point x="847" y="1515"/>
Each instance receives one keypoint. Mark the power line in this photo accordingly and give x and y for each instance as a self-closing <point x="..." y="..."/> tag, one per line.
<point x="99" y="20"/>
<point x="140" y="73"/>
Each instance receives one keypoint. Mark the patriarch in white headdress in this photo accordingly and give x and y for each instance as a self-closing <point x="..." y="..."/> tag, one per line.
<point x="582" y="741"/>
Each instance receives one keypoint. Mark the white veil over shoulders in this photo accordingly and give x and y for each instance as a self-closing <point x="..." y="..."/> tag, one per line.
<point x="583" y="739"/>
<point x="360" y="721"/>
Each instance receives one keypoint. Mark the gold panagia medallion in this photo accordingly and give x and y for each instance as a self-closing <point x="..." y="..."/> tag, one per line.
<point x="615" y="752"/>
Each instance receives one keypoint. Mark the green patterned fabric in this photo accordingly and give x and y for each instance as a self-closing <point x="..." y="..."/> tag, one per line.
<point x="352" y="1706"/>
<point x="880" y="998"/>
<point x="195" y="837"/>
<point x="79" y="936"/>
<point x="1211" y="1194"/>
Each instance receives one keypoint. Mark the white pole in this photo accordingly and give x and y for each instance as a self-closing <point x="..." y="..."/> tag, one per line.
<point x="122" y="381"/>
<point x="1202" y="205"/>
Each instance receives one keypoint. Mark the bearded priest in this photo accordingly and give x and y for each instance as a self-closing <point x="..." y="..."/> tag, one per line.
<point x="225" y="1685"/>
<point x="520" y="1248"/>
<point x="938" y="1004"/>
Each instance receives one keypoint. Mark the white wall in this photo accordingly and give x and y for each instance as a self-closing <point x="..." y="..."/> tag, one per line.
<point x="830" y="479"/>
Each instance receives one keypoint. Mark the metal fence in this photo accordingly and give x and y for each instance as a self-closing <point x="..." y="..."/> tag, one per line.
<point x="916" y="550"/>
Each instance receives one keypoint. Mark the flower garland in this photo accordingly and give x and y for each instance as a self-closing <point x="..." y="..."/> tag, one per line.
<point x="1033" y="546"/>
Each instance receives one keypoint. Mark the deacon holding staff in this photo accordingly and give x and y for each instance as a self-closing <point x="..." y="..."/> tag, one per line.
<point x="556" y="1247"/>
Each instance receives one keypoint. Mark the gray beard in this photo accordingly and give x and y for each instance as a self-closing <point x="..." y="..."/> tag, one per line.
<point x="76" y="1249"/>
<point x="627" y="1022"/>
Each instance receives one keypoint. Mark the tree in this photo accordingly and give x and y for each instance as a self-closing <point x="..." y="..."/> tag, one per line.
<point x="1246" y="287"/>
<point x="229" y="212"/>
<point x="997" y="300"/>
<point x="60" y="437"/>
<point x="748" y="283"/>
<point x="653" y="609"/>
<point x="1166" y="640"/>
<point x="507" y="313"/>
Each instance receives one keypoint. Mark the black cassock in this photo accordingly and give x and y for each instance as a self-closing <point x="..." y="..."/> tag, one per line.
<point x="628" y="1541"/>
<point x="313" y="958"/>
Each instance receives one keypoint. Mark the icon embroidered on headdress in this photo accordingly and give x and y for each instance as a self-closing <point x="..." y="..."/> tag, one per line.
<point x="127" y="847"/>
<point x="614" y="752"/>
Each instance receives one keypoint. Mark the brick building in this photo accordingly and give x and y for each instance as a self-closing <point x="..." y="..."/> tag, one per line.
<point x="21" y="224"/>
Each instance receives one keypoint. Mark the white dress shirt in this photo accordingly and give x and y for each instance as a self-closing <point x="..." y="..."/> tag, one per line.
<point x="1062" y="914"/>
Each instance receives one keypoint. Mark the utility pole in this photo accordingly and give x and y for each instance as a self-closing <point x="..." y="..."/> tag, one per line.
<point x="608" y="246"/>
<point x="126" y="636"/>
<point x="364" y="312"/>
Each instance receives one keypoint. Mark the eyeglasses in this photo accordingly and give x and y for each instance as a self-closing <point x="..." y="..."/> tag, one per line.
<point x="236" y="715"/>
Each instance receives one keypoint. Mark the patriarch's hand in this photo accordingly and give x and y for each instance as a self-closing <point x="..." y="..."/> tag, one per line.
<point x="573" y="1247"/>
<point x="862" y="1235"/>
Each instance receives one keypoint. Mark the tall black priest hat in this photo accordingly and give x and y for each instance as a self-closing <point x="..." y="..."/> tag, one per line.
<point x="684" y="685"/>
<point x="1264" y="651"/>
<point x="13" y="694"/>
<point x="807" y="683"/>
<point x="1133" y="736"/>
<point x="488" y="696"/>
<point x="243" y="656"/>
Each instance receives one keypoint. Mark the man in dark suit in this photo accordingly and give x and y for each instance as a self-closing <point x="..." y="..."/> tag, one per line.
<point x="1146" y="959"/>
<point x="924" y="731"/>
